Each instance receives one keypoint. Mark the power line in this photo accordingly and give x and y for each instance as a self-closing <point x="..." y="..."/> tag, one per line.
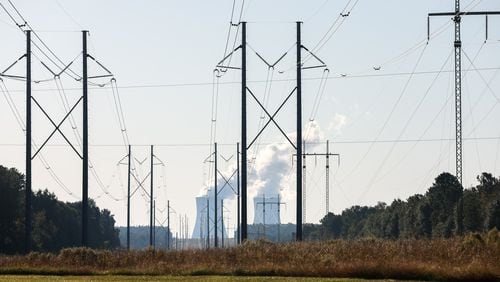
<point x="119" y="112"/>
<point x="329" y="33"/>
<point x="69" y="15"/>
<point x="435" y="118"/>
<point x="78" y="137"/>
<point x="417" y="73"/>
<point x="78" y="77"/>
<point x="412" y="115"/>
<point x="231" y="24"/>
<point x="12" y="105"/>
<point x="389" y="116"/>
<point x="346" y="142"/>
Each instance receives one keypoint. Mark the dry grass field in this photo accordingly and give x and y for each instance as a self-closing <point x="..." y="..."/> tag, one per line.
<point x="475" y="257"/>
<point x="28" y="278"/>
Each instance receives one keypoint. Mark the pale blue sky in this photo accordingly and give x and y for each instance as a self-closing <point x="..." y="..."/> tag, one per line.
<point x="148" y="43"/>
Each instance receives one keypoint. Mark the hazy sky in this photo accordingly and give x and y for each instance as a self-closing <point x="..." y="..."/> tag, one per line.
<point x="163" y="53"/>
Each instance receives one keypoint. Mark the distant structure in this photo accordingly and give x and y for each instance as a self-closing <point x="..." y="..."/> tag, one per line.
<point x="266" y="209"/>
<point x="201" y="228"/>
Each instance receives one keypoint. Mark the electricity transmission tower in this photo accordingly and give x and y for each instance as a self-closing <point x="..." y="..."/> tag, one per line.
<point x="218" y="190"/>
<point x="278" y="203"/>
<point x="153" y="157"/>
<point x="57" y="129"/>
<point x="83" y="100"/>
<point x="128" y="164"/>
<point x="168" y="224"/>
<point x="457" y="19"/>
<point x="140" y="184"/>
<point x="245" y="146"/>
<point x="327" y="156"/>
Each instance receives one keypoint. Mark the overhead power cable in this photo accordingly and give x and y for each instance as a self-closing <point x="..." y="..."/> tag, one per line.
<point x="61" y="67"/>
<point x="339" y="142"/>
<point x="393" y="109"/>
<point x="333" y="27"/>
<point x="231" y="25"/>
<point x="78" y="138"/>
<point x="403" y="130"/>
<point x="12" y="105"/>
<point x="377" y="75"/>
<point x="120" y="114"/>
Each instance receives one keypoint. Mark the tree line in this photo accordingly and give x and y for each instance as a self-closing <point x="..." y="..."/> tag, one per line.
<point x="445" y="210"/>
<point x="139" y="237"/>
<point x="56" y="224"/>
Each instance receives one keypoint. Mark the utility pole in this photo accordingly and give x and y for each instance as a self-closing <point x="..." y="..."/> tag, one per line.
<point x="264" y="214"/>
<point x="238" y="233"/>
<point x="180" y="231"/>
<point x="279" y="217"/>
<point x="151" y="197"/>
<point x="28" y="208"/>
<point x="187" y="230"/>
<point x="154" y="225"/>
<point x="222" y="221"/>
<point x="327" y="176"/>
<point x="85" y="157"/>
<point x="208" y="222"/>
<point x="278" y="203"/>
<point x="304" y="187"/>
<point x="263" y="203"/>
<point x="299" y="134"/>
<point x="327" y="155"/>
<point x="244" y="161"/>
<point x="128" y="196"/>
<point x="168" y="224"/>
<point x="216" y="244"/>
<point x="457" y="18"/>
<point x="202" y="235"/>
<point x="176" y="240"/>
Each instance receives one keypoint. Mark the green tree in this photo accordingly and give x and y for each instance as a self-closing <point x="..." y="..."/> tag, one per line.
<point x="11" y="210"/>
<point x="425" y="220"/>
<point x="472" y="211"/>
<point x="494" y="215"/>
<point x="331" y="226"/>
<point x="487" y="183"/>
<point x="56" y="224"/>
<point x="443" y="197"/>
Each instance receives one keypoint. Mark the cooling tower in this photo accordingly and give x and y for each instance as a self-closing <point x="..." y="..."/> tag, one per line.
<point x="200" y="227"/>
<point x="266" y="210"/>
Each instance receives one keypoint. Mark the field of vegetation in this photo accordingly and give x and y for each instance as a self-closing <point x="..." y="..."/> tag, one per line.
<point x="172" y="278"/>
<point x="473" y="257"/>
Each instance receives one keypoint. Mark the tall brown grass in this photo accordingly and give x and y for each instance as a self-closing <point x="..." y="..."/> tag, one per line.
<point x="474" y="257"/>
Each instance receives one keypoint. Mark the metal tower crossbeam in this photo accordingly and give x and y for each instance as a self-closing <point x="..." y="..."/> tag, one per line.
<point x="56" y="127"/>
<point x="271" y="118"/>
<point x="226" y="182"/>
